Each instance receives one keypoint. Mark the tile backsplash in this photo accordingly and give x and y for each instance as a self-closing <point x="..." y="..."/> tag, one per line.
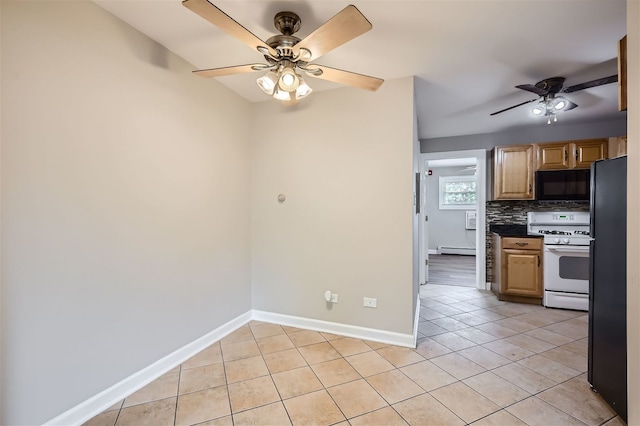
<point x="515" y="213"/>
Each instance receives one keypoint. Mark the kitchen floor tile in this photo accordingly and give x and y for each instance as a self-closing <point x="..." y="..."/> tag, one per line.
<point x="356" y="398"/>
<point x="464" y="402"/>
<point x="279" y="342"/>
<point x="201" y="378"/>
<point x="163" y="387"/>
<point x="335" y="372"/>
<point x="386" y="416"/>
<point x="400" y="357"/>
<point x="201" y="406"/>
<point x="458" y="366"/>
<point x="296" y="382"/>
<point x="156" y="413"/>
<point x="535" y="412"/>
<point x="245" y="369"/>
<point x="316" y="408"/>
<point x="497" y="389"/>
<point x="500" y="418"/>
<point x="319" y="352"/>
<point x="487" y="362"/>
<point x="394" y="386"/>
<point x="252" y="393"/>
<point x="524" y="378"/>
<point x="426" y="410"/>
<point x="369" y="363"/>
<point x="274" y="414"/>
<point x="484" y="357"/>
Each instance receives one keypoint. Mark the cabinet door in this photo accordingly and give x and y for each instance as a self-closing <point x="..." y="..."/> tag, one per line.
<point x="617" y="146"/>
<point x="588" y="151"/>
<point x="513" y="172"/>
<point x="553" y="156"/>
<point x="522" y="272"/>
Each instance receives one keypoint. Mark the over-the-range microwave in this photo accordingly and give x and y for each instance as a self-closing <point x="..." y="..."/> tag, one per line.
<point x="570" y="185"/>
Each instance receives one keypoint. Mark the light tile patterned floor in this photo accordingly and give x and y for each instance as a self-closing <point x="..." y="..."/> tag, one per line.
<point x="478" y="361"/>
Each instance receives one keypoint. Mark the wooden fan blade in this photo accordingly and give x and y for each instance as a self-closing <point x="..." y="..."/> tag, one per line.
<point x="219" y="72"/>
<point x="592" y="83"/>
<point x="515" y="106"/>
<point x="533" y="89"/>
<point x="347" y="77"/>
<point x="346" y="25"/>
<point x="226" y="23"/>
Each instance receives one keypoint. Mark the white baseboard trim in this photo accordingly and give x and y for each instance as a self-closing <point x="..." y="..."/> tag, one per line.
<point x="105" y="399"/>
<point x="416" y="320"/>
<point x="95" y="405"/>
<point x="433" y="251"/>
<point x="375" y="335"/>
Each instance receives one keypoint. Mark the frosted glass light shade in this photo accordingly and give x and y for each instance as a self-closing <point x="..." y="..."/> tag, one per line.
<point x="268" y="82"/>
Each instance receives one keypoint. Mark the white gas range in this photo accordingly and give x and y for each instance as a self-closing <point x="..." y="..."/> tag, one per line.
<point x="566" y="257"/>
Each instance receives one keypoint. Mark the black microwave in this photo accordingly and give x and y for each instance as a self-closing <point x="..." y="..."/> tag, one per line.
<point x="570" y="185"/>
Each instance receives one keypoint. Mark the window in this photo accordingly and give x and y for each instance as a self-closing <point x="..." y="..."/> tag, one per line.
<point x="457" y="192"/>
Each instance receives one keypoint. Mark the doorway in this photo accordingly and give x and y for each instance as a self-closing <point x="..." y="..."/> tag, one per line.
<point x="451" y="248"/>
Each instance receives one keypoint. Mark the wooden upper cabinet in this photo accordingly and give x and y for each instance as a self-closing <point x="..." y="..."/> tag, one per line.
<point x="513" y="172"/>
<point x="588" y="151"/>
<point x="570" y="154"/>
<point x="617" y="146"/>
<point x="553" y="156"/>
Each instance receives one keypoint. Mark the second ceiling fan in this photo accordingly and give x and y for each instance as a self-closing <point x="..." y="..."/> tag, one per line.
<point x="549" y="102"/>
<point x="287" y="56"/>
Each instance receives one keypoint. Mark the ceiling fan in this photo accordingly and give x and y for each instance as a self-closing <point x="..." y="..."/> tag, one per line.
<point x="549" y="102"/>
<point x="287" y="56"/>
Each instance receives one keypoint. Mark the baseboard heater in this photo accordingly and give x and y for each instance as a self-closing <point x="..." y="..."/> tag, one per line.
<point x="469" y="251"/>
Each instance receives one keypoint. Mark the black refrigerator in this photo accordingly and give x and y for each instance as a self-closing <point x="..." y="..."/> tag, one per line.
<point x="607" y="372"/>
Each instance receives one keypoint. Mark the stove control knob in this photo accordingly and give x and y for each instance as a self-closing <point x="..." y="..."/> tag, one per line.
<point x="565" y="241"/>
<point x="556" y="240"/>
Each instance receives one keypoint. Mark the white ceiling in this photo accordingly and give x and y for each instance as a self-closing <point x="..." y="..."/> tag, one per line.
<point x="467" y="56"/>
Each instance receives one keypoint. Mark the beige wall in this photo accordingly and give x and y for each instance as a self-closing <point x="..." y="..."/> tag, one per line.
<point x="346" y="168"/>
<point x="125" y="205"/>
<point x="633" y="208"/>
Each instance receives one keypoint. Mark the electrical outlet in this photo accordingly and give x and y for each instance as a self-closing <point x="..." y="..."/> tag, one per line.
<point x="369" y="302"/>
<point x="334" y="298"/>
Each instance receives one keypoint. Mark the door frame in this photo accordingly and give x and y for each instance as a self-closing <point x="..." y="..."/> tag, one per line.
<point x="481" y="187"/>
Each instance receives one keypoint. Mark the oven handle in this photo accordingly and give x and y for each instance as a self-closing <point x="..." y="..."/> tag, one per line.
<point x="567" y="249"/>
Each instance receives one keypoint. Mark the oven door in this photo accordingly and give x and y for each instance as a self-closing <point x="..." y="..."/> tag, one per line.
<point x="566" y="268"/>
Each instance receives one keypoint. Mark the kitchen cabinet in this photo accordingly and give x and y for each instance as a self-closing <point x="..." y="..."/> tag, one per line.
<point x="513" y="168"/>
<point x="517" y="274"/>
<point x="617" y="146"/>
<point x="570" y="154"/>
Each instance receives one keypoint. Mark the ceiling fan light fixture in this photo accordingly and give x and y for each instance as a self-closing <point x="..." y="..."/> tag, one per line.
<point x="303" y="89"/>
<point x="282" y="95"/>
<point x="289" y="80"/>
<point x="558" y="104"/>
<point x="268" y="82"/>
<point x="539" y="109"/>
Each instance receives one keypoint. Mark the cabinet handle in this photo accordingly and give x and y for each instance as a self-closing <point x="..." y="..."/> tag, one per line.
<point x="529" y="187"/>
<point x="522" y="244"/>
<point x="576" y="155"/>
<point x="566" y="156"/>
<point x="538" y="260"/>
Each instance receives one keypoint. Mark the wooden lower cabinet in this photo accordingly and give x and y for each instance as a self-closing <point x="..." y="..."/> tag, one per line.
<point x="517" y="274"/>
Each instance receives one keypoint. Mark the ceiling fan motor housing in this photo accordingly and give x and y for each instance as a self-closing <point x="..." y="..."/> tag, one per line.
<point x="551" y="85"/>
<point x="287" y="23"/>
